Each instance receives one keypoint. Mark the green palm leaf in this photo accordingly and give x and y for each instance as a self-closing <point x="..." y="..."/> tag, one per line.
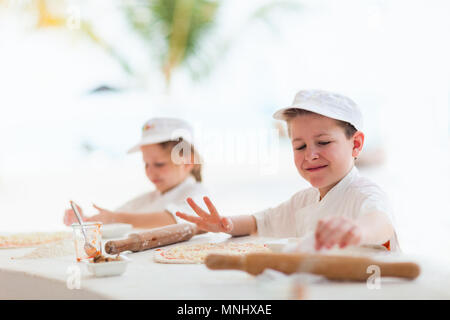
<point x="174" y="28"/>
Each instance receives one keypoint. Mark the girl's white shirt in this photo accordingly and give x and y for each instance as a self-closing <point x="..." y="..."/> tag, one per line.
<point x="171" y="201"/>
<point x="353" y="197"/>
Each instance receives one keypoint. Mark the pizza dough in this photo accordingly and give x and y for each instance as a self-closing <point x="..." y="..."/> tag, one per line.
<point x="51" y="250"/>
<point x="196" y="253"/>
<point x="32" y="239"/>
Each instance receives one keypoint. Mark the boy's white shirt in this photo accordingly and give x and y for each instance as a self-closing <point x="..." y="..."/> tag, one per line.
<point x="171" y="201"/>
<point x="353" y="197"/>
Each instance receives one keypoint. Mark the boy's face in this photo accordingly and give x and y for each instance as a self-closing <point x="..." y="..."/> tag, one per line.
<point x="322" y="153"/>
<point x="161" y="170"/>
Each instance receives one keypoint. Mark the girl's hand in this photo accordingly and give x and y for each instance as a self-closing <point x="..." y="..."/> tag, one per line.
<point x="69" y="216"/>
<point x="103" y="215"/>
<point x="209" y="222"/>
<point x="337" y="231"/>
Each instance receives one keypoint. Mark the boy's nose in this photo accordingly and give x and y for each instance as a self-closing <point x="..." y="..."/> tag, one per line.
<point x="311" y="154"/>
<point x="150" y="172"/>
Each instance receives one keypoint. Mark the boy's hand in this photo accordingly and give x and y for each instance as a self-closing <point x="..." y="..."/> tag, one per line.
<point x="69" y="216"/>
<point x="209" y="222"/>
<point x="337" y="231"/>
<point x="103" y="215"/>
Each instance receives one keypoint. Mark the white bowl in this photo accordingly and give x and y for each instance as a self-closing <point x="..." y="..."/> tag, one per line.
<point x="107" y="269"/>
<point x="115" y="230"/>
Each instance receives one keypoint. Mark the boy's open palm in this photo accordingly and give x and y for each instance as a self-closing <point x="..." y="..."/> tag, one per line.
<point x="103" y="215"/>
<point x="211" y="221"/>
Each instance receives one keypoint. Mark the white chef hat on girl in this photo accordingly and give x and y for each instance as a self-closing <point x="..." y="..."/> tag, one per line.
<point x="158" y="130"/>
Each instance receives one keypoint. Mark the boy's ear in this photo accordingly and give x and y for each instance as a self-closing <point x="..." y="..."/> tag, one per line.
<point x="358" y="142"/>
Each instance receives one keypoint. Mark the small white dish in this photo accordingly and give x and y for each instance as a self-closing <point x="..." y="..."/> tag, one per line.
<point x="115" y="230"/>
<point x="107" y="269"/>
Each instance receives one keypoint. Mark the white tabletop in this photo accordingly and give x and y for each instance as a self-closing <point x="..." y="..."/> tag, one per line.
<point x="145" y="279"/>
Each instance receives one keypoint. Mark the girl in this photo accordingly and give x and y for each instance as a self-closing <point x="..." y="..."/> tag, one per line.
<point x="342" y="208"/>
<point x="172" y="164"/>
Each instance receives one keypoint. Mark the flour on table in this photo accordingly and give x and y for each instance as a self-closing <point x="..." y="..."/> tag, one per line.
<point x="51" y="250"/>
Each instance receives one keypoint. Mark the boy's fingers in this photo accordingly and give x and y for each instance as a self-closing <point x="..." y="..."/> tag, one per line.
<point x="196" y="208"/>
<point x="188" y="217"/>
<point x="320" y="227"/>
<point x="76" y="206"/>
<point x="323" y="230"/>
<point x="318" y="245"/>
<point x="333" y="238"/>
<point x="318" y="242"/>
<point x="345" y="231"/>
<point x="68" y="217"/>
<point x="347" y="238"/>
<point x="68" y="213"/>
<point x="328" y="230"/>
<point x="98" y="208"/>
<point x="227" y="224"/>
<point x="354" y="236"/>
<point x="211" y="207"/>
<point x="204" y="226"/>
<point x="344" y="241"/>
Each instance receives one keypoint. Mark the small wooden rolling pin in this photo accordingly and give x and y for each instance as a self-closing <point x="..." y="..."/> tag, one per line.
<point x="331" y="267"/>
<point x="153" y="238"/>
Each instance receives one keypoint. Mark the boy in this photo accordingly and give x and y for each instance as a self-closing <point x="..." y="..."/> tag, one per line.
<point x="173" y="181"/>
<point x="342" y="208"/>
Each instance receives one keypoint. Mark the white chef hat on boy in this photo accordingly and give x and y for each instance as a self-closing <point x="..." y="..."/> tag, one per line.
<point x="328" y="104"/>
<point x="158" y="130"/>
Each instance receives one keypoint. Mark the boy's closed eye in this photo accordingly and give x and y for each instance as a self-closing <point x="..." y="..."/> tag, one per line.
<point x="322" y="143"/>
<point x="156" y="165"/>
<point x="159" y="164"/>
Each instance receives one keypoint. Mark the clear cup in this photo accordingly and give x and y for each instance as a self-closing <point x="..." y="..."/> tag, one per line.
<point x="94" y="237"/>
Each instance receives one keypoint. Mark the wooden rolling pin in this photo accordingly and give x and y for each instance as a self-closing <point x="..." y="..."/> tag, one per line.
<point x="153" y="238"/>
<point x="332" y="267"/>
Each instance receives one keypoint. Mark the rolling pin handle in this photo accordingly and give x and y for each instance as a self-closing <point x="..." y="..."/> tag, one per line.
<point x="129" y="244"/>
<point x="408" y="270"/>
<point x="224" y="262"/>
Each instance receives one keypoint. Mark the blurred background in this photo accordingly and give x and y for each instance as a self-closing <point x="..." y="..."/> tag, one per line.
<point x="78" y="79"/>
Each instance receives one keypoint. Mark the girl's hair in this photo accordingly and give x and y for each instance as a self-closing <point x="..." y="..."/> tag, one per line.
<point x="196" y="172"/>
<point x="291" y="113"/>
